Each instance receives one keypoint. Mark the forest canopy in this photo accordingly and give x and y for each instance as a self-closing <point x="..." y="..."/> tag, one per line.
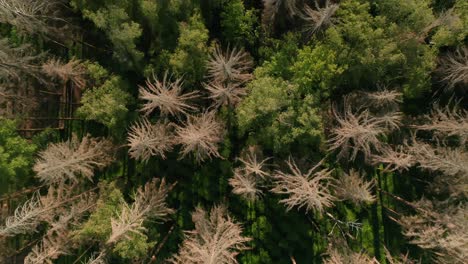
<point x="233" y="131"/>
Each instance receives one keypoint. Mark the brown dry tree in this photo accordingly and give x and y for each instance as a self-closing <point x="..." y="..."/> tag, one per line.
<point x="271" y="8"/>
<point x="97" y="258"/>
<point x="200" y="135"/>
<point x="216" y="239"/>
<point x="146" y="140"/>
<point x="149" y="204"/>
<point x="166" y="95"/>
<point x="248" y="178"/>
<point x="233" y="65"/>
<point x="397" y="159"/>
<point x="40" y="208"/>
<point x="318" y="18"/>
<point x="384" y="98"/>
<point x="48" y="249"/>
<point x="245" y="185"/>
<point x="70" y="159"/>
<point x="352" y="187"/>
<point x="16" y="62"/>
<point x="73" y="71"/>
<point x="254" y="165"/>
<point x="447" y="121"/>
<point x="356" y="132"/>
<point x="225" y="93"/>
<point x="441" y="227"/>
<point x="454" y="68"/>
<point x="339" y="253"/>
<point x="34" y="16"/>
<point x="310" y="190"/>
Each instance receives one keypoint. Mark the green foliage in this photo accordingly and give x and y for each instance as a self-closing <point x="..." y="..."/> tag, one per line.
<point x="112" y="17"/>
<point x="455" y="30"/>
<point x="106" y="103"/>
<point x="238" y="24"/>
<point x="189" y="58"/>
<point x="16" y="155"/>
<point x="98" y="227"/>
<point x="315" y="69"/>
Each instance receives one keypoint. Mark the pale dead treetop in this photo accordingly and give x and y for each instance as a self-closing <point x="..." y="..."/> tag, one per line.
<point x="70" y="159"/>
<point x="147" y="140"/>
<point x="200" y="135"/>
<point x="339" y="253"/>
<point x="271" y="8"/>
<point x="440" y="227"/>
<point x="15" y="62"/>
<point x="166" y="95"/>
<point x="311" y="190"/>
<point x="454" y="68"/>
<point x="216" y="239"/>
<point x="35" y="16"/>
<point x="356" y="132"/>
<point x="398" y="159"/>
<point x="225" y="93"/>
<point x="353" y="187"/>
<point x="149" y="204"/>
<point x="233" y="65"/>
<point x="318" y="18"/>
<point x="73" y="71"/>
<point x="247" y="179"/>
<point x="447" y="121"/>
<point x="245" y="185"/>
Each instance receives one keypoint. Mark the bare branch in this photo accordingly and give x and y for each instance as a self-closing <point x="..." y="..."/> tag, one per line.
<point x="166" y="96"/>
<point x="225" y="94"/>
<point x="252" y="164"/>
<point x="454" y="68"/>
<point x="318" y="18"/>
<point x="67" y="160"/>
<point x="149" y="203"/>
<point x="230" y="66"/>
<point x="245" y="185"/>
<point x="200" y="135"/>
<point x="271" y="8"/>
<point x="358" y="132"/>
<point x="447" y="122"/>
<point x="351" y="186"/>
<point x="72" y="71"/>
<point x="217" y="239"/>
<point x="395" y="160"/>
<point x="310" y="190"/>
<point x="146" y="140"/>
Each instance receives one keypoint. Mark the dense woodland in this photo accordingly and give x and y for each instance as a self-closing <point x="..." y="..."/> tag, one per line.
<point x="233" y="131"/>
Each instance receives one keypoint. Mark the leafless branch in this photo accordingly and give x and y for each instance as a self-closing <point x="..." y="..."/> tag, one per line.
<point x="351" y="186"/>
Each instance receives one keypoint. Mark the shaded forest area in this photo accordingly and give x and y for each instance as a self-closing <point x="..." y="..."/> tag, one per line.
<point x="233" y="131"/>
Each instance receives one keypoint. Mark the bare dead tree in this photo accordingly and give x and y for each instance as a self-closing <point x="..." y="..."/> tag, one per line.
<point x="339" y="253"/>
<point x="146" y="140"/>
<point x="271" y="8"/>
<point x="254" y="165"/>
<point x="225" y="94"/>
<point x="397" y="159"/>
<point x="352" y="187"/>
<point x="310" y="190"/>
<point x="447" y="121"/>
<point x="34" y="16"/>
<point x="454" y="68"/>
<point x="166" y="96"/>
<point x="39" y="208"/>
<point x="73" y="71"/>
<point x="440" y="227"/>
<point x="48" y="249"/>
<point x="200" y="136"/>
<point x="68" y="160"/>
<point x="16" y="62"/>
<point x="233" y="65"/>
<point x="356" y="132"/>
<point x="384" y="98"/>
<point x="97" y="258"/>
<point x="245" y="185"/>
<point x="149" y="203"/>
<point x="217" y="239"/>
<point x="318" y="18"/>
